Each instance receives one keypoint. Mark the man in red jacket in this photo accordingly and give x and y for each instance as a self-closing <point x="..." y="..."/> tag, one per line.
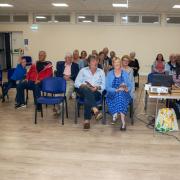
<point x="38" y="71"/>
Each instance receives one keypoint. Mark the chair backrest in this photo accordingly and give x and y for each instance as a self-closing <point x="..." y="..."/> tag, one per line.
<point x="55" y="85"/>
<point x="10" y="73"/>
<point x="28" y="60"/>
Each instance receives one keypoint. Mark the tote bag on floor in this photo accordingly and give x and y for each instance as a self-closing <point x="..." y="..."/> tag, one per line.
<point x="166" y="120"/>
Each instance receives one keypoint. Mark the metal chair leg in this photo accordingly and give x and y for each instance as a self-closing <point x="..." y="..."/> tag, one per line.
<point x="41" y="111"/>
<point x="76" y="113"/>
<point x="35" y="115"/>
<point x="104" y="112"/>
<point x="63" y="113"/>
<point x="78" y="109"/>
<point x="131" y="113"/>
<point x="66" y="107"/>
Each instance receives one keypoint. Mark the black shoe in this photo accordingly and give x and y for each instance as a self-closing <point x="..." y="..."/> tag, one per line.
<point x="19" y="106"/>
<point x="123" y="128"/>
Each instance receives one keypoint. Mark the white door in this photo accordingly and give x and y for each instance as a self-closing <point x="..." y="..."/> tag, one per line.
<point x="17" y="44"/>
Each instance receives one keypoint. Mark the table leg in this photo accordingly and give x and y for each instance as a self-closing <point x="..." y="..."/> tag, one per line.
<point x="156" y="114"/>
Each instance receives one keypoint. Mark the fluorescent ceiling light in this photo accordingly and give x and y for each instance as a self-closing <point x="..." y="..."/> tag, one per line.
<point x="60" y="4"/>
<point x="120" y="5"/>
<point x="81" y="17"/>
<point x="124" y="17"/>
<point x="87" y="21"/>
<point x="167" y="19"/>
<point x="5" y="5"/>
<point x="40" y="17"/>
<point x="176" y="6"/>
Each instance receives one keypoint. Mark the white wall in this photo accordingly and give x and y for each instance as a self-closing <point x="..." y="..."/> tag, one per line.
<point x="56" y="39"/>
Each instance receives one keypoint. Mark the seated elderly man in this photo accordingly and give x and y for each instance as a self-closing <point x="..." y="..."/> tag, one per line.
<point x="90" y="83"/>
<point x="69" y="71"/>
<point x="40" y="70"/>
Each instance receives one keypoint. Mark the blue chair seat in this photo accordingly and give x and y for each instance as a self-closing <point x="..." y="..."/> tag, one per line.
<point x="50" y="100"/>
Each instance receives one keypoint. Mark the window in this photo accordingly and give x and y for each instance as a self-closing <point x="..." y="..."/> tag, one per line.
<point x="85" y="18"/>
<point x="43" y="18"/>
<point x="150" y="19"/>
<point x="173" y="20"/>
<point x="125" y="19"/>
<point x="5" y="18"/>
<point x="62" y="18"/>
<point x="106" y="19"/>
<point x="20" y="18"/>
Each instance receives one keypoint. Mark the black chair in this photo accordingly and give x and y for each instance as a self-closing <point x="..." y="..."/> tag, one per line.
<point x="52" y="85"/>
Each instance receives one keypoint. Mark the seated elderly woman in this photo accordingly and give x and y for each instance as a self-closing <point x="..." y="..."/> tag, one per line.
<point x="118" y="87"/>
<point x="170" y="66"/>
<point x="125" y="66"/>
<point x="158" y="67"/>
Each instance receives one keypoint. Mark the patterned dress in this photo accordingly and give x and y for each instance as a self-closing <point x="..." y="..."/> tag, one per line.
<point x="118" y="102"/>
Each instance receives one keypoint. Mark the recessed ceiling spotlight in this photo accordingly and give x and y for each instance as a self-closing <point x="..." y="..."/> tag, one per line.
<point x="40" y="17"/>
<point x="60" y="4"/>
<point x="120" y="5"/>
<point x="176" y="6"/>
<point x="5" y="5"/>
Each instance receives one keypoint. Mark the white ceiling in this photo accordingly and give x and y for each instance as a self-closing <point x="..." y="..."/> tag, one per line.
<point x="154" y="6"/>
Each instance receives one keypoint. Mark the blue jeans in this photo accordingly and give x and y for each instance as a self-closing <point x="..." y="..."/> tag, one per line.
<point x="30" y="85"/>
<point x="8" y="85"/>
<point x="90" y="99"/>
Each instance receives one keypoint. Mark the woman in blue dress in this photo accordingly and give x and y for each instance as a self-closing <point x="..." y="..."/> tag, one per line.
<point x="118" y="87"/>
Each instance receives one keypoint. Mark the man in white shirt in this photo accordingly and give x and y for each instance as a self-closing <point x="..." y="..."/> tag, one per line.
<point x="90" y="83"/>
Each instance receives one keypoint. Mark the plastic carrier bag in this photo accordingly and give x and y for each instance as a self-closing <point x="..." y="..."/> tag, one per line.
<point x="166" y="120"/>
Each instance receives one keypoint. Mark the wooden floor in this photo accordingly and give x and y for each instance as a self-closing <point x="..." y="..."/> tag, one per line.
<point x="50" y="151"/>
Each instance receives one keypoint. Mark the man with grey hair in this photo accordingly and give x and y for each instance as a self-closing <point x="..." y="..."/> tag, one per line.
<point x="69" y="71"/>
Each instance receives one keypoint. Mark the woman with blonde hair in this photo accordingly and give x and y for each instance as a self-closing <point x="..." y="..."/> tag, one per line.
<point x="118" y="87"/>
<point x="125" y="65"/>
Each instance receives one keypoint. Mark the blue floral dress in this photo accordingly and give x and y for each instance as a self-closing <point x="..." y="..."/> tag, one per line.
<point x="118" y="102"/>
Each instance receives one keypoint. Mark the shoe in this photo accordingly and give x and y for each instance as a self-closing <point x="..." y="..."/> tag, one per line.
<point x="115" y="116"/>
<point x="98" y="116"/>
<point x="18" y="106"/>
<point x="123" y="128"/>
<point x="86" y="126"/>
